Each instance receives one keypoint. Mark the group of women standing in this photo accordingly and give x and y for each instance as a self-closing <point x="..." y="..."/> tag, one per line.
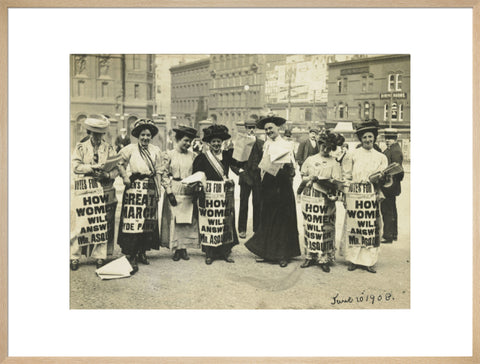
<point x="276" y="239"/>
<point x="150" y="171"/>
<point x="360" y="193"/>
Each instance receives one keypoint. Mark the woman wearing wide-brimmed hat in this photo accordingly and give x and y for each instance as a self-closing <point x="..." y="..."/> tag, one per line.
<point x="276" y="239"/>
<point x="215" y="163"/>
<point x="180" y="225"/>
<point x="88" y="160"/>
<point x="138" y="230"/>
<point x="320" y="193"/>
<point x="363" y="223"/>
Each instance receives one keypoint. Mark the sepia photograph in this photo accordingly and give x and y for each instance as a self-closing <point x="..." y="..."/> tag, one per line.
<point x="240" y="181"/>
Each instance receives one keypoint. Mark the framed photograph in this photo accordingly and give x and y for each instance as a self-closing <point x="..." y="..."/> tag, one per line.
<point x="355" y="118"/>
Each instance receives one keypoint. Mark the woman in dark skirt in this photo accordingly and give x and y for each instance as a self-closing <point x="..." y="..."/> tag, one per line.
<point x="138" y="230"/>
<point x="215" y="163"/>
<point x="277" y="236"/>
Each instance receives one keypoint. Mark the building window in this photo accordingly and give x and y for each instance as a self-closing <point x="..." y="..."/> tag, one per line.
<point x="149" y="92"/>
<point x="104" y="90"/>
<point x="394" y="112"/>
<point x="385" y="112"/>
<point x="391" y="82"/>
<point x="308" y="114"/>
<point x="342" y="85"/>
<point x="400" y="112"/>
<point x="341" y="112"/>
<point x="398" y="82"/>
<point x="372" y="111"/>
<point x="395" y="82"/>
<point x="81" y="88"/>
<point x="367" y="82"/>
<point x="360" y="111"/>
<point x="136" y="91"/>
<point x="366" y="112"/>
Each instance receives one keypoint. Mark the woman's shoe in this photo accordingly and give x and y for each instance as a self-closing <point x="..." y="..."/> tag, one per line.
<point x="307" y="263"/>
<point x="208" y="260"/>
<point x="228" y="259"/>
<point x="283" y="263"/>
<point x="142" y="258"/>
<point x="176" y="255"/>
<point x="100" y="263"/>
<point x="325" y="267"/>
<point x="133" y="263"/>
<point x="184" y="255"/>
<point x="370" y="269"/>
<point x="74" y="264"/>
<point x="352" y="267"/>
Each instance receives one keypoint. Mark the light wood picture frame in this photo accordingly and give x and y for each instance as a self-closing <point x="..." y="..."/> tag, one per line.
<point x="5" y="5"/>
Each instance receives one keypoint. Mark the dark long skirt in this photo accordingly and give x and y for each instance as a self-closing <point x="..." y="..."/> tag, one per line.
<point x="277" y="235"/>
<point x="223" y="250"/>
<point x="133" y="243"/>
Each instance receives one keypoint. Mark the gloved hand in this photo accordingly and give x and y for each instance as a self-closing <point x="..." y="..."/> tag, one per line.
<point x="172" y="199"/>
<point x="126" y="182"/>
<point x="197" y="187"/>
<point x="103" y="176"/>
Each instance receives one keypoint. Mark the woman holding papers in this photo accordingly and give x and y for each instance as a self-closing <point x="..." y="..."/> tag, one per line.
<point x="277" y="236"/>
<point x="138" y="230"/>
<point x="93" y="182"/>
<point x="361" y="238"/>
<point x="318" y="202"/>
<point x="217" y="210"/>
<point x="179" y="223"/>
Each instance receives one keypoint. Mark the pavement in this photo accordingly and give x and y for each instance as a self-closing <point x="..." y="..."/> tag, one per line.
<point x="246" y="284"/>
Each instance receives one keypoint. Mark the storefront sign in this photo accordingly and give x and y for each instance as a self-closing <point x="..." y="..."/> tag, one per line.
<point x="393" y="95"/>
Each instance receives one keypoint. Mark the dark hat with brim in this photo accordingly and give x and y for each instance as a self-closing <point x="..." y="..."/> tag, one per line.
<point x="313" y="130"/>
<point x="97" y="125"/>
<point x="391" y="133"/>
<point x="142" y="124"/>
<point x="215" y="131"/>
<point x="186" y="130"/>
<point x="277" y="120"/>
<point x="367" y="126"/>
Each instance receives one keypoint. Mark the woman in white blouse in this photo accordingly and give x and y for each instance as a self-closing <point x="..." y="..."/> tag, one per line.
<point x="361" y="238"/>
<point x="180" y="225"/>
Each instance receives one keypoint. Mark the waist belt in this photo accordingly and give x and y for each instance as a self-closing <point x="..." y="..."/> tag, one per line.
<point x="139" y="176"/>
